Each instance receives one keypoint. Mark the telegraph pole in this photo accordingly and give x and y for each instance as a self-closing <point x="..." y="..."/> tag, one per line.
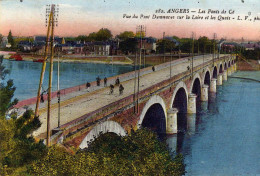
<point x="50" y="14"/>
<point x="171" y="66"/>
<point x="50" y="82"/>
<point x="214" y="48"/>
<point x="58" y="88"/>
<point x="43" y="64"/>
<point x="192" y="55"/>
<point x="135" y="82"/>
<point x="141" y="30"/>
<point x="163" y="47"/>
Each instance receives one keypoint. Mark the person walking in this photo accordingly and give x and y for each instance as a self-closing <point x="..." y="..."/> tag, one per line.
<point x="111" y="89"/>
<point x="98" y="81"/>
<point x="121" y="89"/>
<point x="117" y="81"/>
<point x="153" y="68"/>
<point x="88" y="86"/>
<point x="105" y="82"/>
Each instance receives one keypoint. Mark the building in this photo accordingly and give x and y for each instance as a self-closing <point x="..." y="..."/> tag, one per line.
<point x="149" y="43"/>
<point x="102" y="48"/>
<point x="4" y="42"/>
<point x="25" y="46"/>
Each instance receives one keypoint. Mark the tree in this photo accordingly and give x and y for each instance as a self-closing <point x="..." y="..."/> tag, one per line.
<point x="7" y="129"/>
<point x="140" y="153"/>
<point x="128" y="45"/>
<point x="92" y="36"/>
<point x="17" y="147"/>
<point x="6" y="91"/>
<point x="10" y="39"/>
<point x="139" y="34"/>
<point x="185" y="45"/>
<point x="1" y="38"/>
<point x="103" y="34"/>
<point x="176" y="38"/>
<point x="165" y="45"/>
<point x="82" y="38"/>
<point x="204" y="43"/>
<point x="125" y="35"/>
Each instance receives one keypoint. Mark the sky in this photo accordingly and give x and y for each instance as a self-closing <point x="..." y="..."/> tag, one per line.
<point x="81" y="17"/>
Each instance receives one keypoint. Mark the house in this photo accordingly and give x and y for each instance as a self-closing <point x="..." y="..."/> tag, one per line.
<point x="102" y="48"/>
<point x="70" y="47"/>
<point x="228" y="46"/>
<point x="88" y="48"/>
<point x="149" y="44"/>
<point x="251" y="45"/>
<point x="4" y="42"/>
<point x="25" y="46"/>
<point x="57" y="40"/>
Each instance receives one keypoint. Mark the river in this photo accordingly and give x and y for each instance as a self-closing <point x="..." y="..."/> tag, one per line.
<point x="223" y="138"/>
<point x="26" y="75"/>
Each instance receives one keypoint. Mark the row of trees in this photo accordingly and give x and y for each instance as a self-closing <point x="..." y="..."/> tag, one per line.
<point x="102" y="35"/>
<point x="129" y="44"/>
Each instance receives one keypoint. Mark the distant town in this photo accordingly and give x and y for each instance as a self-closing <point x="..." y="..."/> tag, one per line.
<point x="103" y="43"/>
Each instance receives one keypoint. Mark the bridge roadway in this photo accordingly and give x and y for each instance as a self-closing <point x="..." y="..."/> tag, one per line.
<point x="77" y="104"/>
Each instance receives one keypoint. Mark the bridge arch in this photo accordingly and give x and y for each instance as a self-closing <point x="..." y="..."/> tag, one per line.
<point x="154" y="115"/>
<point x="206" y="77"/>
<point x="194" y="80"/>
<point x="229" y="64"/>
<point x="215" y="72"/>
<point x="180" y="85"/>
<point x="180" y="101"/>
<point x="220" y="68"/>
<point x="105" y="127"/>
<point x="225" y="66"/>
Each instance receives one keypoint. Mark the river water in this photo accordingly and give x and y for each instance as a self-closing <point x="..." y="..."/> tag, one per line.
<point x="223" y="138"/>
<point x="26" y="75"/>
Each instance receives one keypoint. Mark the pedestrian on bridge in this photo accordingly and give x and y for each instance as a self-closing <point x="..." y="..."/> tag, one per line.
<point x="111" y="89"/>
<point x="105" y="82"/>
<point x="117" y="81"/>
<point x="44" y="91"/>
<point x="98" y="81"/>
<point x="121" y="89"/>
<point x="88" y="86"/>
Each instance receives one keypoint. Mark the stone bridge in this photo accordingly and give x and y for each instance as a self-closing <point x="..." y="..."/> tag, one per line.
<point x="159" y="107"/>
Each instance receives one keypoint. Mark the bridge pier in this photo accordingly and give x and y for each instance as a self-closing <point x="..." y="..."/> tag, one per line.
<point x="225" y="75"/>
<point x="171" y="127"/>
<point x="204" y="92"/>
<point x="229" y="71"/>
<point x="213" y="85"/>
<point x="232" y="69"/>
<point x="192" y="104"/>
<point x="235" y="66"/>
<point x="219" y="80"/>
<point x="191" y="123"/>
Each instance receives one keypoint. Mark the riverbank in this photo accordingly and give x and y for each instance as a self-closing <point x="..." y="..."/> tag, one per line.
<point x="154" y="59"/>
<point x="249" y="65"/>
<point x="86" y="59"/>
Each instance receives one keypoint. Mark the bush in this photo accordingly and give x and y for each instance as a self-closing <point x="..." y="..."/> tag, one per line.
<point x="140" y="153"/>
